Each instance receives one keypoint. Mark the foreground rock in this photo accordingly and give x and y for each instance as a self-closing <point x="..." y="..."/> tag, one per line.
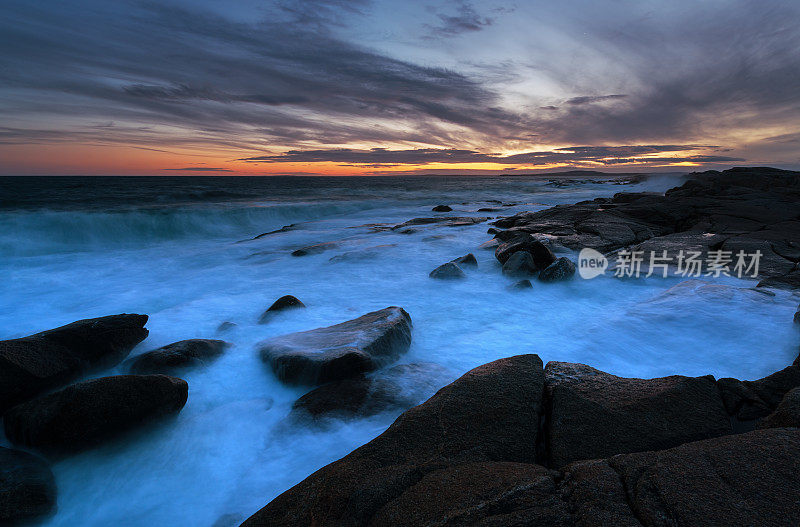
<point x="284" y="303"/>
<point x="340" y="351"/>
<point x="447" y="271"/>
<point x="27" y="487"/>
<point x="594" y="414"/>
<point x="176" y="357"/>
<point x="742" y="209"/>
<point x="519" y="264"/>
<point x="88" y="413"/>
<point x="749" y="401"/>
<point x="37" y="363"/>
<point x="462" y="423"/>
<point x="787" y="414"/>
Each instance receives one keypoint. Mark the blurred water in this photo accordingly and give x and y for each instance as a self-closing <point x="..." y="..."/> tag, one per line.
<point x="169" y="248"/>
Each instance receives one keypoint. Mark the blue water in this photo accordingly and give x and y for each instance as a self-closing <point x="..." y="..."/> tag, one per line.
<point x="176" y="249"/>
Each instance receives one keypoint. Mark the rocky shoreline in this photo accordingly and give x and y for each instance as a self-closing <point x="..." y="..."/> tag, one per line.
<point x="512" y="442"/>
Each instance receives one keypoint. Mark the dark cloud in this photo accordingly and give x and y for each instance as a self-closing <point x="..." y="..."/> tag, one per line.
<point x="465" y="19"/>
<point x="589" y="99"/>
<point x="606" y="155"/>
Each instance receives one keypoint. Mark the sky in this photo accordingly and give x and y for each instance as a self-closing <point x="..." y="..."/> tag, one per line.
<point x="391" y="87"/>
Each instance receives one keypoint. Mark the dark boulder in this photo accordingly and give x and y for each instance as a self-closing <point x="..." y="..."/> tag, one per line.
<point x="462" y="423"/>
<point x="561" y="269"/>
<point x="748" y="401"/>
<point x="177" y="356"/>
<point x="37" y="363"/>
<point x="594" y="414"/>
<point x="442" y="208"/>
<point x="541" y="253"/>
<point x="448" y="271"/>
<point x="466" y="260"/>
<point x="85" y="414"/>
<point x="399" y="388"/>
<point x="226" y="326"/>
<point x="519" y="264"/>
<point x="787" y="414"/>
<point x="521" y="285"/>
<point x="284" y="303"/>
<point x="340" y="351"/>
<point x="27" y="487"/>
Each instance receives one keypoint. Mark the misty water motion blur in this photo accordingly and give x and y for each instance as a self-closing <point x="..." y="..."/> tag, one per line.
<point x="182" y="251"/>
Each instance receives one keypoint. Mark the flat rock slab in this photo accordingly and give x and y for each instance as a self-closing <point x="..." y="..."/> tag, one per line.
<point x="27" y="487"/>
<point x="594" y="414"/>
<point x="87" y="413"/>
<point x="340" y="351"/>
<point x="176" y="357"/>
<point x="490" y="414"/>
<point x="37" y="363"/>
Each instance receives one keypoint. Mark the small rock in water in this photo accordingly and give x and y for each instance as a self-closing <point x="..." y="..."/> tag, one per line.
<point x="522" y="284"/>
<point x="341" y="351"/>
<point x="226" y="326"/>
<point x="797" y="317"/>
<point x="448" y="271"/>
<point x="87" y="413"/>
<point x="468" y="259"/>
<point x="442" y="208"/>
<point x="561" y="269"/>
<point x="315" y="249"/>
<point x="27" y="487"/>
<point x="177" y="356"/>
<point x="487" y="209"/>
<point x="489" y="245"/>
<point x="519" y="264"/>
<point x="284" y="303"/>
<point x="541" y="254"/>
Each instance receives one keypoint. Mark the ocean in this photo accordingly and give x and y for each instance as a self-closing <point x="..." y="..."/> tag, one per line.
<point x="182" y="250"/>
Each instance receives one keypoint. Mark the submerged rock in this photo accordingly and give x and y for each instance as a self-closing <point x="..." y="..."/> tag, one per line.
<point x="340" y="351"/>
<point x="595" y="414"/>
<point x="27" y="487"/>
<point x="226" y="326"/>
<point x="561" y="269"/>
<point x="177" y="356"/>
<point x="284" y="303"/>
<point x="85" y="414"/>
<point x="37" y="363"/>
<point x="521" y="285"/>
<point x="466" y="260"/>
<point x="315" y="249"/>
<point x="448" y="271"/>
<point x="449" y="221"/>
<point x="442" y="208"/>
<point x="519" y="264"/>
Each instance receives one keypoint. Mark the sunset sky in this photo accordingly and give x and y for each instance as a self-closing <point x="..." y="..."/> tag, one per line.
<point x="342" y="87"/>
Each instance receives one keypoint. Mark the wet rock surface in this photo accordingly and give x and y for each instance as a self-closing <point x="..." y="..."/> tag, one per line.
<point x="88" y="413"/>
<point x="37" y="363"/>
<point x="27" y="487"/>
<point x="340" y="351"/>
<point x="562" y="269"/>
<point x="468" y="260"/>
<point x="742" y="209"/>
<point x="284" y="303"/>
<point x="176" y="357"/>
<point x="448" y="271"/>
<point x="519" y="264"/>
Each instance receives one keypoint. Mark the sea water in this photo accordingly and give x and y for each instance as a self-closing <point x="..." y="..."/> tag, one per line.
<point x="182" y="251"/>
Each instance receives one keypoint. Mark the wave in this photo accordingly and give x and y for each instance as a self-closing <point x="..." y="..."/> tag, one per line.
<point x="28" y="233"/>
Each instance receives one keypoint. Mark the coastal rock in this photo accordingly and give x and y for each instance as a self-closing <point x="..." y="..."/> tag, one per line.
<point x="466" y="260"/>
<point x="27" y="487"/>
<point x="521" y="285"/>
<point x="448" y="221"/>
<point x="748" y="401"/>
<point x="594" y="414"/>
<point x="315" y="249"/>
<point x="541" y="254"/>
<point x="85" y="414"/>
<point x="489" y="245"/>
<point x="787" y="414"/>
<point x="284" y="303"/>
<point x="37" y="363"/>
<point x="462" y="423"/>
<point x="399" y="388"/>
<point x="340" y="351"/>
<point x="177" y="356"/>
<point x="519" y="264"/>
<point x="561" y="269"/>
<point x="442" y="208"/>
<point x="447" y="271"/>
<point x="226" y="326"/>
